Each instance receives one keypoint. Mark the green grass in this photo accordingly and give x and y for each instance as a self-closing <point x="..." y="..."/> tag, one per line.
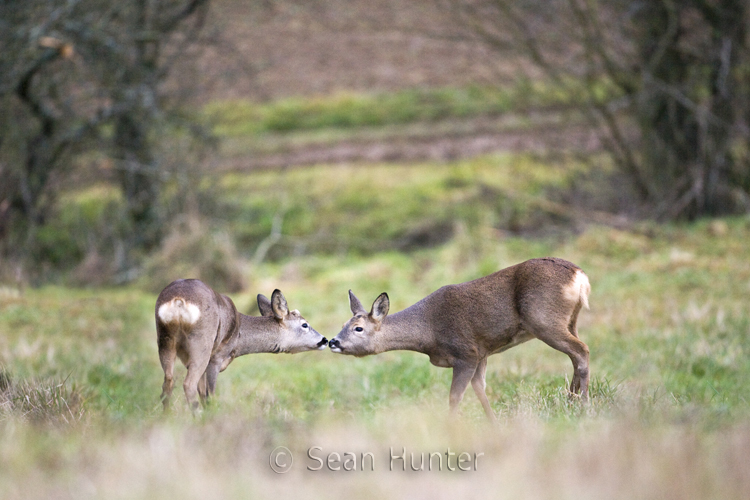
<point x="334" y="210"/>
<point x="667" y="319"/>
<point x="667" y="330"/>
<point x="330" y="210"/>
<point x="349" y="110"/>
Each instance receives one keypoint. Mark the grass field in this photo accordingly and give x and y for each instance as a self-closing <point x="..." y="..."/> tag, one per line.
<point x="668" y="330"/>
<point x="353" y="110"/>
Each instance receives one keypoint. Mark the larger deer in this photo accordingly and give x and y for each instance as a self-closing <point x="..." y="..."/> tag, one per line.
<point x="459" y="326"/>
<point x="204" y="329"/>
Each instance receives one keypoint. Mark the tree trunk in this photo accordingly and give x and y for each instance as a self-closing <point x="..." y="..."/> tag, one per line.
<point x="139" y="180"/>
<point x="138" y="172"/>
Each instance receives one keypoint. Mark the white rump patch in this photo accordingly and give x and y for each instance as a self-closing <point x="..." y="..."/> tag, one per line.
<point x="578" y="289"/>
<point x="179" y="311"/>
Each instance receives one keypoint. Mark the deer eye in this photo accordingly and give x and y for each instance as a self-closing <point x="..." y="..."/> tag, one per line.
<point x="305" y="325"/>
<point x="359" y="329"/>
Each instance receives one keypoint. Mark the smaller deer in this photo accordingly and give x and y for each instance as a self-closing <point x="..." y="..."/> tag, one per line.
<point x="205" y="330"/>
<point x="459" y="326"/>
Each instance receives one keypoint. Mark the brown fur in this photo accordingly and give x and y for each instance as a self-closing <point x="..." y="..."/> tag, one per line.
<point x="220" y="334"/>
<point x="459" y="326"/>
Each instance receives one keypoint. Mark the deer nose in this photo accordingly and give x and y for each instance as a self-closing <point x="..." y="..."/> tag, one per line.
<point x="334" y="343"/>
<point x="323" y="342"/>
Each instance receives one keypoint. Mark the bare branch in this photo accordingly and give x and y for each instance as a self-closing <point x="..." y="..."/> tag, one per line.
<point x="187" y="10"/>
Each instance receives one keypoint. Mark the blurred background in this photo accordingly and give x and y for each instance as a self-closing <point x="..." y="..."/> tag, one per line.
<point x="155" y="138"/>
<point x="319" y="146"/>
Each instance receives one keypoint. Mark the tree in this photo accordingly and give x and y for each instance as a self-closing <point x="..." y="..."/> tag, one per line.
<point x="85" y="76"/>
<point x="675" y="114"/>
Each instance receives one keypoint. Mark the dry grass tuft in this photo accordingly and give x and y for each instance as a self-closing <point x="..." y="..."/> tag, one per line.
<point x="45" y="401"/>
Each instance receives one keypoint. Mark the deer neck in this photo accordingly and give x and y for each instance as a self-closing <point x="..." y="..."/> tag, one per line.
<point x="407" y="330"/>
<point x="257" y="334"/>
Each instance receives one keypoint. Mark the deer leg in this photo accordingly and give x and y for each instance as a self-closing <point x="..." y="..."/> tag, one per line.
<point x="572" y="324"/>
<point x="212" y="372"/>
<point x="479" y="384"/>
<point x="578" y="352"/>
<point x="196" y="368"/>
<point x="462" y="375"/>
<point x="207" y="383"/>
<point x="167" y="355"/>
<point x="202" y="391"/>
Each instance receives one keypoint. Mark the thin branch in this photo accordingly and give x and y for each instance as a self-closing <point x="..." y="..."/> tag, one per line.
<point x="190" y="36"/>
<point x="593" y="44"/>
<point x="23" y="90"/>
<point x="701" y="111"/>
<point x="530" y="42"/>
<point x="170" y="24"/>
<point x="270" y="240"/>
<point x="667" y="38"/>
<point x="627" y="161"/>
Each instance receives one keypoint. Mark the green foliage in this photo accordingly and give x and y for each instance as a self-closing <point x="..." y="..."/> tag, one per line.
<point x="64" y="240"/>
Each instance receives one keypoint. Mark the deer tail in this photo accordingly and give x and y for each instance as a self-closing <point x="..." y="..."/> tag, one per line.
<point x="179" y="310"/>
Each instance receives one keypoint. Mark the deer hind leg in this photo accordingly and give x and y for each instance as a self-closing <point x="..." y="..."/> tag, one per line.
<point x="562" y="339"/>
<point x="479" y="384"/>
<point x="196" y="368"/>
<point x="167" y="355"/>
<point x="572" y="324"/>
<point x="580" y="380"/>
<point x="462" y="375"/>
<point x="199" y="356"/>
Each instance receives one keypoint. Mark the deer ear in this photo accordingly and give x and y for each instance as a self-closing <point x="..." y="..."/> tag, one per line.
<point x="380" y="307"/>
<point x="264" y="305"/>
<point x="278" y="305"/>
<point x="355" y="305"/>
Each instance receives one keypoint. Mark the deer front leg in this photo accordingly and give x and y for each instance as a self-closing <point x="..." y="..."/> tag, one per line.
<point x="462" y="375"/>
<point x="202" y="388"/>
<point x="212" y="372"/>
<point x="479" y="384"/>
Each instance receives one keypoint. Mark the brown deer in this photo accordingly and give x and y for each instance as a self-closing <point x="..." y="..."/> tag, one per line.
<point x="459" y="326"/>
<point x="205" y="330"/>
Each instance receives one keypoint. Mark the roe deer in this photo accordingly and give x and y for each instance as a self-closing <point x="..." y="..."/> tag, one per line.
<point x="205" y="330"/>
<point x="459" y="326"/>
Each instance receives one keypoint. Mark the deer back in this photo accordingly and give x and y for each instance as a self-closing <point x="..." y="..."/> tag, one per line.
<point x="194" y="308"/>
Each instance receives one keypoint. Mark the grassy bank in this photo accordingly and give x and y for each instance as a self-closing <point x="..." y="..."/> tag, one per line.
<point x="333" y="210"/>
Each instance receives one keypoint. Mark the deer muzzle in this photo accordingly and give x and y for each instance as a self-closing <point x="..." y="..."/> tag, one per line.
<point x="335" y="345"/>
